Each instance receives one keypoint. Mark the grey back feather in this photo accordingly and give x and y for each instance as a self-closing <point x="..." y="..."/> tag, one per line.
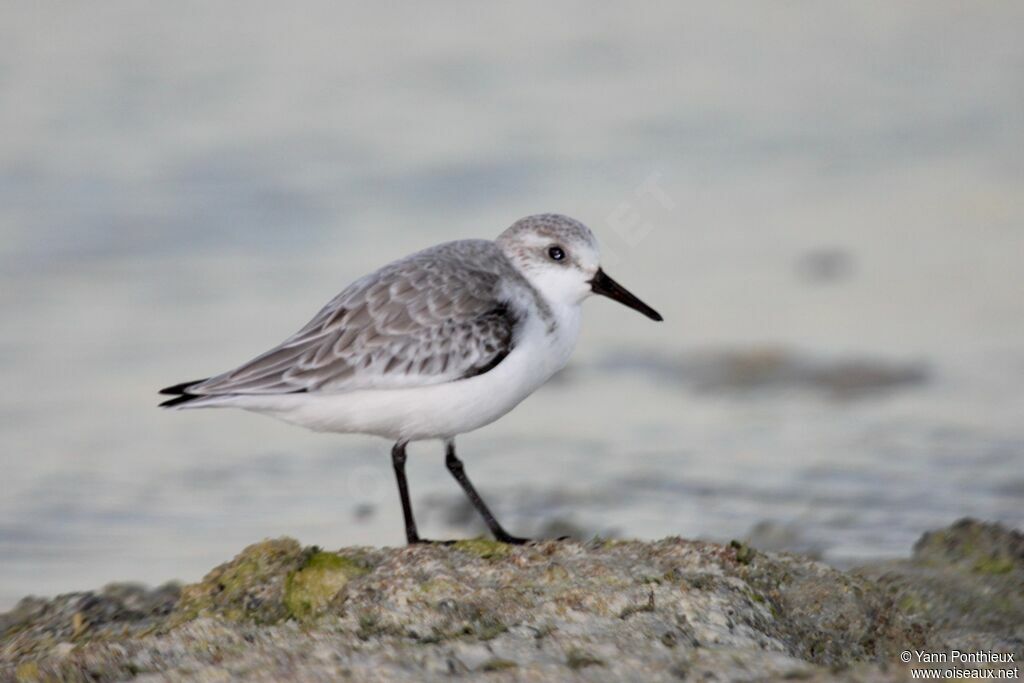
<point x="439" y="315"/>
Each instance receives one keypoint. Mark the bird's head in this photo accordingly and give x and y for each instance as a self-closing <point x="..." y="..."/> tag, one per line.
<point x="560" y="257"/>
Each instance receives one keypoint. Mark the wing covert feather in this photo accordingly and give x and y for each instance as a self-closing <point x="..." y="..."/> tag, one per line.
<point x="437" y="316"/>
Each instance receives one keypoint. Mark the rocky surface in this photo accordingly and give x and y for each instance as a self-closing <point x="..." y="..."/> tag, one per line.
<point x="556" y="610"/>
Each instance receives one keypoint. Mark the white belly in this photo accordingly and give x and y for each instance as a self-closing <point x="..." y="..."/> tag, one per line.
<point x="436" y="411"/>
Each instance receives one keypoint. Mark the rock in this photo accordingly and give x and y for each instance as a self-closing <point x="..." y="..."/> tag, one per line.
<point x="271" y="581"/>
<point x="774" y="537"/>
<point x="605" y="610"/>
<point x="972" y="546"/>
<point x="116" y="611"/>
<point x="250" y="587"/>
<point x="965" y="584"/>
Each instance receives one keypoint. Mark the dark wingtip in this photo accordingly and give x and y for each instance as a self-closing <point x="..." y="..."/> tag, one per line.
<point x="180" y="393"/>
<point x="177" y="401"/>
<point x="179" y="389"/>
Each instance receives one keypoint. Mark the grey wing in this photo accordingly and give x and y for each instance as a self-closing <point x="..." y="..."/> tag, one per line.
<point x="416" y="322"/>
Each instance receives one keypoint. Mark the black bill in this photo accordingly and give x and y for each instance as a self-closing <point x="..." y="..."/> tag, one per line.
<point x="605" y="286"/>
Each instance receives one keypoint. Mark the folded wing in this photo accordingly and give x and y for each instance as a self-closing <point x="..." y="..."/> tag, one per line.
<point x="434" y="317"/>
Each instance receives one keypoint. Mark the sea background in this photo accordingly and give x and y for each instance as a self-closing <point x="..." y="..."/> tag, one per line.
<point x="825" y="201"/>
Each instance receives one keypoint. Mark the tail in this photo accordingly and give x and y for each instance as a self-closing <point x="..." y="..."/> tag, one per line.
<point x="180" y="393"/>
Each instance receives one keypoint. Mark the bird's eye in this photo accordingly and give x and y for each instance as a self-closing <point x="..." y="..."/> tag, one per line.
<point x="556" y="253"/>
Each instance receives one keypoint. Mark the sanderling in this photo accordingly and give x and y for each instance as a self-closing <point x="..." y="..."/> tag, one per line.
<point x="434" y="345"/>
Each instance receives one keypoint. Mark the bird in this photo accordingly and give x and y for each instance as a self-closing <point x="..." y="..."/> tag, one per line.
<point x="430" y="347"/>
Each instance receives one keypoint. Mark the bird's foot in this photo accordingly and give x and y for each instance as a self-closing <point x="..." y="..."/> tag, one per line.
<point x="429" y="541"/>
<point x="512" y="540"/>
<point x="501" y="538"/>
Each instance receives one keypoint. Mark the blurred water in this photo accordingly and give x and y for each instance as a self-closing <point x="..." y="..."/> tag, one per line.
<point x="182" y="187"/>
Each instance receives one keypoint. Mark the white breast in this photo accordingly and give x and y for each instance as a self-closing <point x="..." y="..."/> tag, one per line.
<point x="441" y="410"/>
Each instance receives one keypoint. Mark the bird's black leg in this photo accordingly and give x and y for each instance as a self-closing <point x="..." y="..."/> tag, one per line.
<point x="459" y="472"/>
<point x="398" y="461"/>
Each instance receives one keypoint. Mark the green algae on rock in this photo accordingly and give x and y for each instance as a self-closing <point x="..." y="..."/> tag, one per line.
<point x="546" y="611"/>
<point x="483" y="548"/>
<point x="248" y="588"/>
<point x="269" y="582"/>
<point x="309" y="590"/>
<point x="973" y="545"/>
<point x="965" y="584"/>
